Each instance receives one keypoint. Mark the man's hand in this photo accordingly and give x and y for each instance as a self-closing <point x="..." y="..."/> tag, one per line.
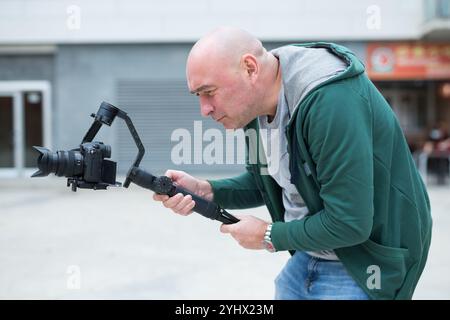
<point x="249" y="232"/>
<point x="180" y="203"/>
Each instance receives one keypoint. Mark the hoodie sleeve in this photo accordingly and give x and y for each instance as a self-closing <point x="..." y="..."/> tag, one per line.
<point x="238" y="192"/>
<point x="337" y="129"/>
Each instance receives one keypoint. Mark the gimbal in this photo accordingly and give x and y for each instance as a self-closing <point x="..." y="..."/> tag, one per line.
<point x="86" y="167"/>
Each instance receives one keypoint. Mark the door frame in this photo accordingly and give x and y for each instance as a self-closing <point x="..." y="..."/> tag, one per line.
<point x="15" y="89"/>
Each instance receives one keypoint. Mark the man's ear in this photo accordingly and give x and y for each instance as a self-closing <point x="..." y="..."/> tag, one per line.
<point x="250" y="65"/>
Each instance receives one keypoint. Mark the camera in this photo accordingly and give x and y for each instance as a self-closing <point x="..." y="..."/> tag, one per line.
<point x="85" y="167"/>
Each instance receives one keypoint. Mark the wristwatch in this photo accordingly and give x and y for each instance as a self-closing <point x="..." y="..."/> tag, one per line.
<point x="267" y="242"/>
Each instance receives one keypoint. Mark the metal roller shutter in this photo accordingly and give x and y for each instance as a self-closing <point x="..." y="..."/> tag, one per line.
<point x="157" y="108"/>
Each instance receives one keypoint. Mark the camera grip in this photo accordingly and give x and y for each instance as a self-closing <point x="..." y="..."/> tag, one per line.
<point x="206" y="208"/>
<point x="164" y="185"/>
<point x="203" y="206"/>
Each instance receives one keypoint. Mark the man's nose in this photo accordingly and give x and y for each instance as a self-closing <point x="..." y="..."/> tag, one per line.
<point x="205" y="108"/>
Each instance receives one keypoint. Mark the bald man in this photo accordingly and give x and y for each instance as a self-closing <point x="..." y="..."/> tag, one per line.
<point x="345" y="197"/>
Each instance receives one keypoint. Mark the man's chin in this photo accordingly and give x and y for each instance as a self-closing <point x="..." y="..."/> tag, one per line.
<point x="228" y="127"/>
<point x="231" y="126"/>
<point x="227" y="124"/>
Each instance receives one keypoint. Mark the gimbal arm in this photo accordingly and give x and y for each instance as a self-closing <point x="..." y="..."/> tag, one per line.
<point x="161" y="185"/>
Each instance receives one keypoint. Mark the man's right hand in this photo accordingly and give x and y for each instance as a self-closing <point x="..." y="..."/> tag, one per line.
<point x="180" y="203"/>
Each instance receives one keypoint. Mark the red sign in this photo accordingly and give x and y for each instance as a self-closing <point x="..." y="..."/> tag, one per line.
<point x="409" y="60"/>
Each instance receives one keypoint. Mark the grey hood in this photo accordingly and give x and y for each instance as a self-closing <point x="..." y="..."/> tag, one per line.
<point x="303" y="68"/>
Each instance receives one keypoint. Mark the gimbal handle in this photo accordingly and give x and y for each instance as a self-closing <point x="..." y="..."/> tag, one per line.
<point x="164" y="185"/>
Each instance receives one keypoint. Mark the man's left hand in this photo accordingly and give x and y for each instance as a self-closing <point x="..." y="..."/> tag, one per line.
<point x="248" y="232"/>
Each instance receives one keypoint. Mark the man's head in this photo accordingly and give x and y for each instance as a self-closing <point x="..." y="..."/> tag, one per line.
<point x="233" y="76"/>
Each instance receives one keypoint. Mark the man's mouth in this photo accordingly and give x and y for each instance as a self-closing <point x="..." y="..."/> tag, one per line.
<point x="218" y="120"/>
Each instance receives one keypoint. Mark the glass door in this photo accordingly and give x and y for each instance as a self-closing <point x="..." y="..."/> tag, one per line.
<point x="10" y="132"/>
<point x="33" y="122"/>
<point x="24" y="123"/>
<point x="6" y="131"/>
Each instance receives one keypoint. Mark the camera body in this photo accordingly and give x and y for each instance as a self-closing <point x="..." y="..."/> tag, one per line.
<point x="95" y="170"/>
<point x="85" y="167"/>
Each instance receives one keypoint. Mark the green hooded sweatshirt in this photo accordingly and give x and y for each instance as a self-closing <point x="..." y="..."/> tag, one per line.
<point x="350" y="162"/>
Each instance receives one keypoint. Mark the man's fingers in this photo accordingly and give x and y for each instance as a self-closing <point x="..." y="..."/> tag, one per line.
<point x="178" y="203"/>
<point x="173" y="201"/>
<point x="188" y="209"/>
<point x="182" y="204"/>
<point x="160" y="197"/>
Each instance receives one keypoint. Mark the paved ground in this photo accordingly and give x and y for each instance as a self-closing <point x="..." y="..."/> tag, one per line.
<point x="120" y="244"/>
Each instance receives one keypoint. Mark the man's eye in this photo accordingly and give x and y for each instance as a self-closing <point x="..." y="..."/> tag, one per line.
<point x="205" y="93"/>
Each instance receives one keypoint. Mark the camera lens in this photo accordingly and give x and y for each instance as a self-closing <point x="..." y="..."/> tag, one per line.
<point x="62" y="163"/>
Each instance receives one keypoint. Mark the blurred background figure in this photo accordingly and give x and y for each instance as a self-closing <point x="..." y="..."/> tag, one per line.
<point x="437" y="148"/>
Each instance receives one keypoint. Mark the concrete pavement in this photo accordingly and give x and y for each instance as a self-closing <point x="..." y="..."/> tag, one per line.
<point x="120" y="244"/>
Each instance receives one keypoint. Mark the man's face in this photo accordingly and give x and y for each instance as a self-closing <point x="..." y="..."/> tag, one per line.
<point x="225" y="94"/>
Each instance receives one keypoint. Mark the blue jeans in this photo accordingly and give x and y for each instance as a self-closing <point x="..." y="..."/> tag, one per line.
<point x="305" y="277"/>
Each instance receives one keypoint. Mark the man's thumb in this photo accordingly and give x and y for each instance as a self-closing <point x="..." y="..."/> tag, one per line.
<point x="225" y="228"/>
<point x="173" y="174"/>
